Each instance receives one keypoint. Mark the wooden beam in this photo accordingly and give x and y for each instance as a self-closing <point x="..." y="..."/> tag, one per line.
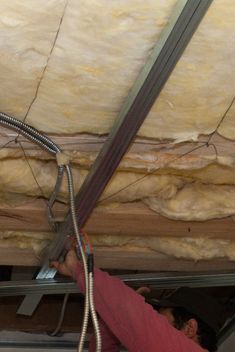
<point x="136" y="219"/>
<point x="155" y="154"/>
<point x="116" y="258"/>
<point x="92" y="143"/>
<point x="132" y="219"/>
<point x="30" y="216"/>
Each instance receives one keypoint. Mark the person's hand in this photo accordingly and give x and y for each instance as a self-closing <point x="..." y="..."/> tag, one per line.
<point x="68" y="267"/>
<point x="143" y="290"/>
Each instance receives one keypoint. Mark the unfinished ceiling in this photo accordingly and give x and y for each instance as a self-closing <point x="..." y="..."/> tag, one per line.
<point x="66" y="69"/>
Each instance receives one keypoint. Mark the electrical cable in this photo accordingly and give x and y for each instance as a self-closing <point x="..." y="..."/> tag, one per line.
<point x="83" y="257"/>
<point x="61" y="318"/>
<point x="29" y="132"/>
<point x="44" y="142"/>
<point x="93" y="314"/>
<point x="91" y="302"/>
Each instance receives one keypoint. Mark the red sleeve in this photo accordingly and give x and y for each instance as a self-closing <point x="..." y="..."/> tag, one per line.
<point x="109" y="342"/>
<point x="135" y="323"/>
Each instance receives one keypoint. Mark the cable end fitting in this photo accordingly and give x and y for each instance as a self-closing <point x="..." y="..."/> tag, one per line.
<point x="90" y="263"/>
<point x="62" y="158"/>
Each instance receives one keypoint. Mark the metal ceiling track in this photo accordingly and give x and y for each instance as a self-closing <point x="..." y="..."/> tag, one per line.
<point x="155" y="280"/>
<point x="176" y="35"/>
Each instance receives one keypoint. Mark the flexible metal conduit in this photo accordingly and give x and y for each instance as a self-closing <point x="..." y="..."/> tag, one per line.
<point x="44" y="142"/>
<point x="88" y="284"/>
<point x="29" y="132"/>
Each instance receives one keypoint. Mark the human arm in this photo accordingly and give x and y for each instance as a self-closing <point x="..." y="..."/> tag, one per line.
<point x="135" y="324"/>
<point x="109" y="342"/>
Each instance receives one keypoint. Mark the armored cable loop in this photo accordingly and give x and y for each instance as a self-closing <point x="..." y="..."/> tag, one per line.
<point x="29" y="132"/>
<point x="87" y="285"/>
<point x="93" y="313"/>
<point x="43" y="141"/>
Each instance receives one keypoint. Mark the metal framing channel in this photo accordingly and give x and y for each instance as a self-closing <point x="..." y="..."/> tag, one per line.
<point x="156" y="280"/>
<point x="175" y="37"/>
<point x="55" y="345"/>
<point x="10" y="344"/>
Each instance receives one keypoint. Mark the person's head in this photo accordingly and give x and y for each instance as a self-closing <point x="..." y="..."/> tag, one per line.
<point x="198" y="316"/>
<point x="191" y="326"/>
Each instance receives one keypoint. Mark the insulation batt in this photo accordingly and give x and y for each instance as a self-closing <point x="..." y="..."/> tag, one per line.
<point x="178" y="194"/>
<point x="185" y="248"/>
<point x="25" y="240"/>
<point x="69" y="65"/>
<point x="196" y="202"/>
<point x="201" y="87"/>
<point x="201" y="194"/>
<point x="95" y="51"/>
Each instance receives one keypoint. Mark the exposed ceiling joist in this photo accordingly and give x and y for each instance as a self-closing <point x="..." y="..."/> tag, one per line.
<point x="115" y="221"/>
<point x="120" y="258"/>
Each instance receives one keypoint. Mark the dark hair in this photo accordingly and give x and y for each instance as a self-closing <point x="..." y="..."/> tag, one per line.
<point x="207" y="336"/>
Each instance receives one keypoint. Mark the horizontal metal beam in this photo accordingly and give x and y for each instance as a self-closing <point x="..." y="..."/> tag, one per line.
<point x="39" y="346"/>
<point x="156" y="280"/>
<point x="48" y="286"/>
<point x="174" y="280"/>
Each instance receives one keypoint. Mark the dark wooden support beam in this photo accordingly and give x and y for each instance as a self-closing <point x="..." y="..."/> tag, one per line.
<point x="129" y="219"/>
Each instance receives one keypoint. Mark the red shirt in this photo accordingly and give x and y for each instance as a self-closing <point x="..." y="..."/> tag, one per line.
<point x="131" y="320"/>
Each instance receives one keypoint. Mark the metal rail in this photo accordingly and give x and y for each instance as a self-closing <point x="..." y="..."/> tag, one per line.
<point x="155" y="280"/>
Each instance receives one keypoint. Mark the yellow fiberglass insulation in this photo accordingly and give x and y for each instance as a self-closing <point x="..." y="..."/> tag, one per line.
<point x="66" y="68"/>
<point x="69" y="65"/>
<point x="186" y="248"/>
